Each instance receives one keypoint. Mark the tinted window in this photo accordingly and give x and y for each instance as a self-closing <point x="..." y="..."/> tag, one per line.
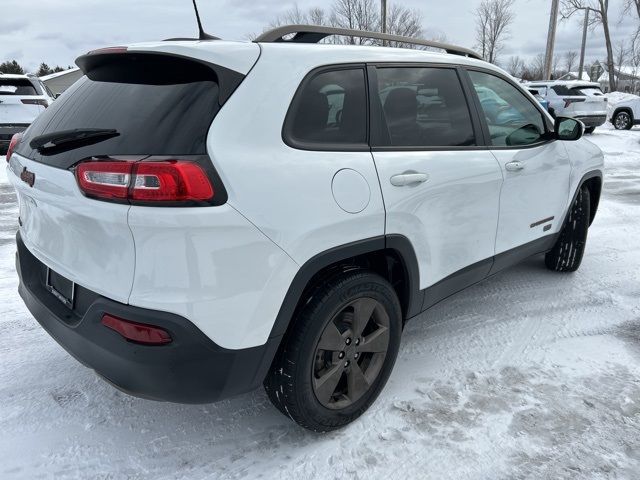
<point x="424" y="107"/>
<point x="159" y="107"/>
<point x="330" y="109"/>
<point x="16" y="86"/>
<point x="512" y="119"/>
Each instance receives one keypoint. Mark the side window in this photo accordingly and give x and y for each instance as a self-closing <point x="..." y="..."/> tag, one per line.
<point x="330" y="109"/>
<point x="512" y="119"/>
<point x="423" y="107"/>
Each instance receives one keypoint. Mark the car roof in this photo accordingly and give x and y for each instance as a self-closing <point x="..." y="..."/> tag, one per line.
<point x="13" y="75"/>
<point x="241" y="56"/>
<point x="569" y="83"/>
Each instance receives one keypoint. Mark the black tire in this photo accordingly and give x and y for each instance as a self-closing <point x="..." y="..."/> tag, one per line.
<point x="292" y="383"/>
<point x="622" y="121"/>
<point x="589" y="130"/>
<point x="566" y="254"/>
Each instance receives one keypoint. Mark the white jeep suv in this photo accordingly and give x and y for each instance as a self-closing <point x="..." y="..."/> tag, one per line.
<point x="22" y="99"/>
<point x="200" y="218"/>
<point x="581" y="100"/>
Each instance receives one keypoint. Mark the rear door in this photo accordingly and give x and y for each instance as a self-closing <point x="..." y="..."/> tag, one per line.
<point x="441" y="187"/>
<point x="18" y="102"/>
<point x="536" y="169"/>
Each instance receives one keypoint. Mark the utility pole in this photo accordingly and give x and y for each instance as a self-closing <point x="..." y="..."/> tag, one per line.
<point x="551" y="39"/>
<point x="383" y="19"/>
<point x="584" y="42"/>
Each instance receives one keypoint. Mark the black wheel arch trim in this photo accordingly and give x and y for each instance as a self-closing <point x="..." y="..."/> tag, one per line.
<point x="398" y="243"/>
<point x="594" y="201"/>
<point x="618" y="110"/>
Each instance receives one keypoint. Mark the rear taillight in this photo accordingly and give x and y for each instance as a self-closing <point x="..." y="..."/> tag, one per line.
<point x="15" y="140"/>
<point x="166" y="181"/>
<point x="35" y="101"/>
<point x="137" y="332"/>
<point x="569" y="101"/>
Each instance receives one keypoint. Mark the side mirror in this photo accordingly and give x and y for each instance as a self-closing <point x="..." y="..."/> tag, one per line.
<point x="569" y="129"/>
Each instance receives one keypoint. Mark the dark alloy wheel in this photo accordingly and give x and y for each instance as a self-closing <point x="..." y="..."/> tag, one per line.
<point x="338" y="352"/>
<point x="589" y="130"/>
<point x="622" y="121"/>
<point x="350" y="353"/>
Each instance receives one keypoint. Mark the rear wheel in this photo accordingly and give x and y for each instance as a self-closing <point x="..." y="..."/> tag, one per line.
<point x="339" y="353"/>
<point x="622" y="121"/>
<point x="566" y="254"/>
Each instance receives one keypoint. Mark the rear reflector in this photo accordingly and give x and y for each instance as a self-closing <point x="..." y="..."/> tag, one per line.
<point x="15" y="140"/>
<point x="137" y="332"/>
<point x="167" y="181"/>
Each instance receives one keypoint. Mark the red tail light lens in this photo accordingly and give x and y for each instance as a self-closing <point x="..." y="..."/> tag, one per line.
<point x="15" y="140"/>
<point x="137" y="332"/>
<point x="170" y="181"/>
<point x="569" y="101"/>
<point x="35" y="101"/>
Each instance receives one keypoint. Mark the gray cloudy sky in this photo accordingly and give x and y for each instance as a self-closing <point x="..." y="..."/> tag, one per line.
<point x="57" y="31"/>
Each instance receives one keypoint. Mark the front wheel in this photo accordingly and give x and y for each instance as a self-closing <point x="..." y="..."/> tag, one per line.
<point x="566" y="254"/>
<point x="622" y="121"/>
<point x="339" y="353"/>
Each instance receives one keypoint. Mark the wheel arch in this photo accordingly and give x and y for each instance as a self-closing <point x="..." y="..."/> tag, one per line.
<point x="626" y="109"/>
<point x="391" y="256"/>
<point x="593" y="181"/>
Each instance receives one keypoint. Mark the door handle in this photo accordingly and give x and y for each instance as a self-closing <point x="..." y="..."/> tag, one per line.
<point x="409" y="178"/>
<point x="514" y="166"/>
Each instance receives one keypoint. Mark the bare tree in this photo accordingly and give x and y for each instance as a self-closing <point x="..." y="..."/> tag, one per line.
<point x="570" y="60"/>
<point x="600" y="10"/>
<point x="403" y="21"/>
<point x="631" y="5"/>
<point x="356" y="15"/>
<point x="620" y="58"/>
<point x="535" y="69"/>
<point x="515" y="66"/>
<point x="493" y="20"/>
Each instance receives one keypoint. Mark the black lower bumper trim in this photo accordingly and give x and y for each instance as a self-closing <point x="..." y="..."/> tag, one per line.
<point x="191" y="369"/>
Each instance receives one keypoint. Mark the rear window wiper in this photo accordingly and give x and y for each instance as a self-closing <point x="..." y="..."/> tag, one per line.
<point x="69" y="139"/>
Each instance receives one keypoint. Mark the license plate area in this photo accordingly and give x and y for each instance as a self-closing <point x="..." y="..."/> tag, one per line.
<point x="61" y="288"/>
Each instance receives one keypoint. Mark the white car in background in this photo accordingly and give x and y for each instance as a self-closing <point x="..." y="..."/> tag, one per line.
<point x="624" y="110"/>
<point x="22" y="99"/>
<point x="583" y="101"/>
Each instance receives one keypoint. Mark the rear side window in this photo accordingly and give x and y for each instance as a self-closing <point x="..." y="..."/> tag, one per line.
<point x="329" y="112"/>
<point x="423" y="107"/>
<point x="17" y="86"/>
<point x="159" y="105"/>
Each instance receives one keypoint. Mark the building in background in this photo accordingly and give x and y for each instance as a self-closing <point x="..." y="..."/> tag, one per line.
<point x="60" y="81"/>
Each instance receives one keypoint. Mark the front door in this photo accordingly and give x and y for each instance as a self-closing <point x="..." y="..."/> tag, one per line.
<point x="536" y="168"/>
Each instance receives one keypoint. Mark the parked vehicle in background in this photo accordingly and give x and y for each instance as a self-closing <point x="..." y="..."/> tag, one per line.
<point x="624" y="110"/>
<point x="22" y="99"/>
<point x="543" y="101"/>
<point x="581" y="100"/>
<point x="198" y="218"/>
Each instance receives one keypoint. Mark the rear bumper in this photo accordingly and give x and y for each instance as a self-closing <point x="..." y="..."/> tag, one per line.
<point x="8" y="131"/>
<point x="592" y="120"/>
<point x="191" y="369"/>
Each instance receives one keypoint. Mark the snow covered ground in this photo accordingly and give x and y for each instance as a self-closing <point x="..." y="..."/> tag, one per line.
<point x="530" y="374"/>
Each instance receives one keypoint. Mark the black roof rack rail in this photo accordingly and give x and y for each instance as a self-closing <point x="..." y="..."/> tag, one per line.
<point x="316" y="33"/>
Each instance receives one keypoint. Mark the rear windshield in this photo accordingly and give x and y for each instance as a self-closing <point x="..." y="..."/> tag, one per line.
<point x="577" y="91"/>
<point x="158" y="105"/>
<point x="17" y="86"/>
